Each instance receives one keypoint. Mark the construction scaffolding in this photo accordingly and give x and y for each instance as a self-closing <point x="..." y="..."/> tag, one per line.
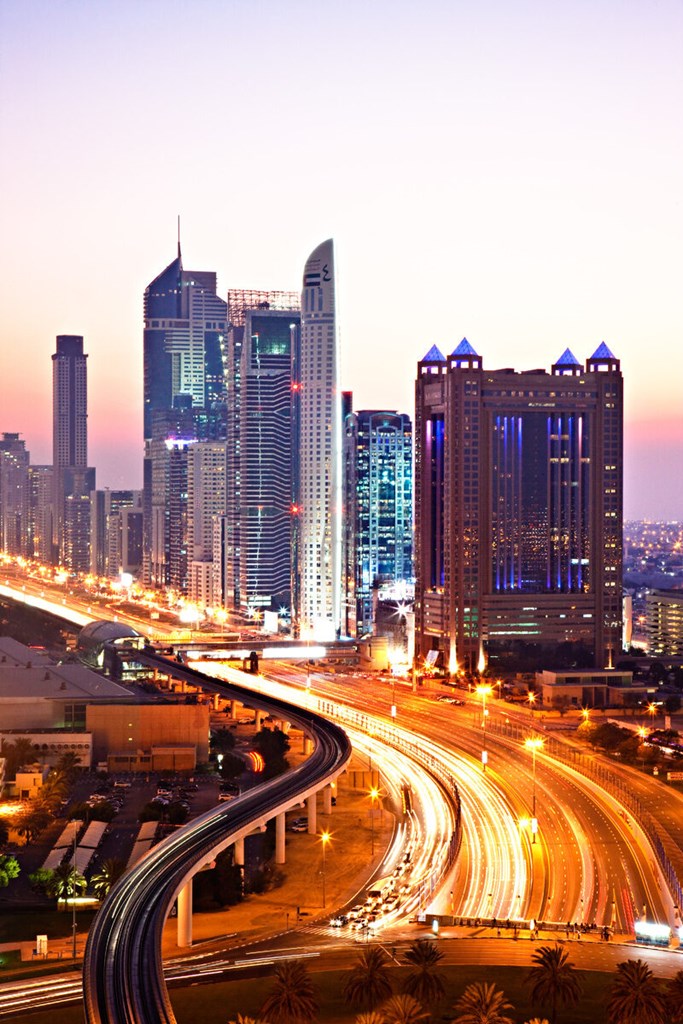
<point x="242" y="299"/>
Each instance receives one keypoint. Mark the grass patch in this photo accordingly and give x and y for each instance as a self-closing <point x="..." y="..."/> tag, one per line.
<point x="10" y="960"/>
<point x="221" y="1002"/>
<point x="22" y="925"/>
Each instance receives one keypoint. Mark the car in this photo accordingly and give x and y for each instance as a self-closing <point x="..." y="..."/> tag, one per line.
<point x="296" y="827"/>
<point x="339" y="921"/>
<point x="223" y="798"/>
<point x="444" y="698"/>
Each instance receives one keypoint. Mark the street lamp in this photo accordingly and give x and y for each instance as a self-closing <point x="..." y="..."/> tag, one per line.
<point x="324" y="839"/>
<point x="642" y="733"/>
<point x="374" y="793"/>
<point x="533" y="743"/>
<point x="652" y="711"/>
<point x="484" y="691"/>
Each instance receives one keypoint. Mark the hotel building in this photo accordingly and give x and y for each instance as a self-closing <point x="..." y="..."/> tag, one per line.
<point x="518" y="511"/>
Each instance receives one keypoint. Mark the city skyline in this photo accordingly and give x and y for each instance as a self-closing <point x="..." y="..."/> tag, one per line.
<point x="511" y="179"/>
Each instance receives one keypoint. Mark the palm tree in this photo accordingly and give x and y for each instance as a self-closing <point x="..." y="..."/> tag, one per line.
<point x="673" y="994"/>
<point x="66" y="881"/>
<point x="367" y="983"/>
<point x="371" y="1017"/>
<point x="403" y="1009"/>
<point x="292" y="999"/>
<point x="553" y="979"/>
<point x="425" y="983"/>
<point x="482" y="1003"/>
<point x="68" y="764"/>
<point x="31" y="820"/>
<point x="247" y="1020"/>
<point x="635" y="996"/>
<point x="109" y="873"/>
<point x="538" y="1020"/>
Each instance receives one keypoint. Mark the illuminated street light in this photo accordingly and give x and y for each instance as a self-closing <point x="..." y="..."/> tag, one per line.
<point x="324" y="839"/>
<point x="484" y="690"/>
<point x="374" y="793"/>
<point x="533" y="743"/>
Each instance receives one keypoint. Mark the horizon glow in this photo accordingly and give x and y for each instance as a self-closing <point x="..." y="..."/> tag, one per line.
<point x="508" y="174"/>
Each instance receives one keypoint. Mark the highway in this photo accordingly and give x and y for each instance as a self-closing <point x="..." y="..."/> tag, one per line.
<point x="123" y="976"/>
<point x="590" y="864"/>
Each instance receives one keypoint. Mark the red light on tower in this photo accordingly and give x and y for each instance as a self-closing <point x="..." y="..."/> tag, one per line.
<point x="294" y="509"/>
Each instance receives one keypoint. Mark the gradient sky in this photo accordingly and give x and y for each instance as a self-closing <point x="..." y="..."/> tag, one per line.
<point x="506" y="171"/>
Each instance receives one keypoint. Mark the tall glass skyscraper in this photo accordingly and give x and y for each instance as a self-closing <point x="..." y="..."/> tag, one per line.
<point x="262" y="338"/>
<point x="184" y="380"/>
<point x="518" y="494"/>
<point x="378" y="510"/>
<point x="318" y="428"/>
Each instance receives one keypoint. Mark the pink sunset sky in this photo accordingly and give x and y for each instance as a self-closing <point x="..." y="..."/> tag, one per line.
<point x="509" y="172"/>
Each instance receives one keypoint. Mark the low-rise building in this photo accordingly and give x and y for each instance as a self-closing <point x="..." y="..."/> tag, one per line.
<point x="589" y="688"/>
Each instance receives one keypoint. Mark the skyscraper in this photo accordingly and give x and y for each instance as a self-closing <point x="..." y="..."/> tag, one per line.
<point x="184" y="346"/>
<point x="263" y="336"/>
<point x="206" y="486"/>
<point x="14" y="495"/>
<point x="518" y="503"/>
<point x="378" y="510"/>
<point x="73" y="480"/>
<point x="317" y="598"/>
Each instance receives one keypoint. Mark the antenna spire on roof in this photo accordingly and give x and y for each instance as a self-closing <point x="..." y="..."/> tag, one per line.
<point x="179" y="256"/>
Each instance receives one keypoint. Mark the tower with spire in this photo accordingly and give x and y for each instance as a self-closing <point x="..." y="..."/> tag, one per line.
<point x="184" y="390"/>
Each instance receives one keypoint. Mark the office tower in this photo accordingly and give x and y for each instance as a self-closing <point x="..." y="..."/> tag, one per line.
<point x="518" y="511"/>
<point x="115" y="523"/>
<point x="41" y="491"/>
<point x="184" y="351"/>
<point x="378" y="510"/>
<point x="263" y="337"/>
<point x="317" y="540"/>
<point x="664" y="614"/>
<point x="73" y="480"/>
<point x="14" y="495"/>
<point x="206" y="493"/>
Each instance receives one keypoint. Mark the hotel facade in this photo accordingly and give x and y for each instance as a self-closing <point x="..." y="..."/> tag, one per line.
<point x="518" y="511"/>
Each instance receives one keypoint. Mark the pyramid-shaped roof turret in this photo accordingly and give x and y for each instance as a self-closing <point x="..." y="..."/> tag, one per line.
<point x="567" y="359"/>
<point x="433" y="356"/>
<point x="603" y="352"/>
<point x="464" y="349"/>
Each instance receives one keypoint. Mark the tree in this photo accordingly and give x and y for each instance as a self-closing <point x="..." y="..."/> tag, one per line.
<point x="66" y="881"/>
<point x="403" y="1009"/>
<point x="247" y="1020"/>
<point x="538" y="1020"/>
<point x="482" y="1003"/>
<point x="367" y="982"/>
<point x="272" y="745"/>
<point x="17" y="754"/>
<point x="371" y="1017"/>
<point x="109" y="873"/>
<point x="41" y="880"/>
<point x="9" y="869"/>
<point x="424" y="982"/>
<point x="4" y="833"/>
<point x="673" y="995"/>
<point x="68" y="765"/>
<point x="292" y="999"/>
<point x="553" y="979"/>
<point x="31" y="820"/>
<point x="635" y="996"/>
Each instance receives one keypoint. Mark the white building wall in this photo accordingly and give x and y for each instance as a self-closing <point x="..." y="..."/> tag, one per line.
<point x="320" y="451"/>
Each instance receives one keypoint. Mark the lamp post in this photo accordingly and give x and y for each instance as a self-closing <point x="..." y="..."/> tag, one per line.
<point x="484" y="691"/>
<point x="533" y="743"/>
<point x="73" y="899"/>
<point x="642" y="733"/>
<point x="374" y="793"/>
<point x="324" y="839"/>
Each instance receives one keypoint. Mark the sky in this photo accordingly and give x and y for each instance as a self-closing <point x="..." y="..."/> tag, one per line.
<point x="508" y="172"/>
